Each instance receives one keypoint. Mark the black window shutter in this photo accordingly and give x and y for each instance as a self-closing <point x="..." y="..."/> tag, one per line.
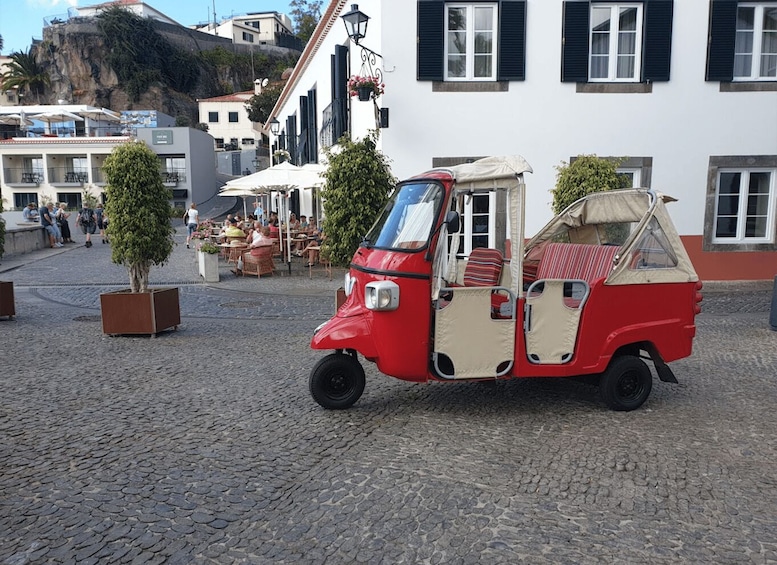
<point x="291" y="136"/>
<point x="574" y="42"/>
<point x="312" y="127"/>
<point x="431" y="26"/>
<point x="303" y="131"/>
<point x="720" y="43"/>
<point x="658" y="40"/>
<point x="340" y="89"/>
<point x="512" y="40"/>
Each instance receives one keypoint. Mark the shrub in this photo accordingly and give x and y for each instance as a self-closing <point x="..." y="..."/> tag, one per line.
<point x="585" y="175"/>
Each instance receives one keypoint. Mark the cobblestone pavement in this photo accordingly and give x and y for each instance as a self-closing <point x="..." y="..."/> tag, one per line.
<point x="203" y="445"/>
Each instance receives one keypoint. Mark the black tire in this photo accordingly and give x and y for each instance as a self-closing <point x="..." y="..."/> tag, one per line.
<point x="337" y="381"/>
<point x="626" y="384"/>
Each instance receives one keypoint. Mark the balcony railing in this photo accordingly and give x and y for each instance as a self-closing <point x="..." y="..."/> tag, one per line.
<point x="23" y="177"/>
<point x="67" y="177"/>
<point x="173" y="176"/>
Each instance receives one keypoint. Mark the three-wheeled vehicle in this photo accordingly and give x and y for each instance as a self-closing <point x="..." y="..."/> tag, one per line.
<point x="603" y="285"/>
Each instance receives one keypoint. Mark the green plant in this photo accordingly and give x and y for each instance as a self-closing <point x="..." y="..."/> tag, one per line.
<point x="138" y="205"/>
<point x="24" y="72"/>
<point x="209" y="247"/>
<point x="585" y="175"/>
<point x="89" y="200"/>
<point x="358" y="181"/>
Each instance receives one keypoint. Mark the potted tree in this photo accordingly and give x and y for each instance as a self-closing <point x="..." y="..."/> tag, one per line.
<point x="7" y="307"/>
<point x="138" y="205"/>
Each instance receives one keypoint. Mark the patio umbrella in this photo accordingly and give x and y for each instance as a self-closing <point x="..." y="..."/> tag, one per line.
<point x="242" y="193"/>
<point x="100" y="114"/>
<point x="56" y="117"/>
<point x="14" y="119"/>
<point x="280" y="178"/>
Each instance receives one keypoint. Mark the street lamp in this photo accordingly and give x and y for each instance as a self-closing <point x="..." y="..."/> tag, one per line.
<point x="356" y="23"/>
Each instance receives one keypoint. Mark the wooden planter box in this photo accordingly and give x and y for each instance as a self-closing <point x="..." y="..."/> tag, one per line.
<point x="125" y="313"/>
<point x="7" y="307"/>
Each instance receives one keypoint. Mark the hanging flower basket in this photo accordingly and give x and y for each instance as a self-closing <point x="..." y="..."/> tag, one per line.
<point x="365" y="87"/>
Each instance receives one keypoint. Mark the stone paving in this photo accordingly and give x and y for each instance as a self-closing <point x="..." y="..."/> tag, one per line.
<point x="203" y="445"/>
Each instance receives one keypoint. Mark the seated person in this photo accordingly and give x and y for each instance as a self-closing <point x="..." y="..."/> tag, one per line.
<point x="303" y="223"/>
<point x="313" y="248"/>
<point x="259" y="236"/>
<point x="30" y="212"/>
<point x="232" y="230"/>
<point x="293" y="222"/>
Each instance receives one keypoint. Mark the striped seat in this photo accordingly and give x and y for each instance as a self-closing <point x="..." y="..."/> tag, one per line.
<point x="576" y="261"/>
<point x="484" y="267"/>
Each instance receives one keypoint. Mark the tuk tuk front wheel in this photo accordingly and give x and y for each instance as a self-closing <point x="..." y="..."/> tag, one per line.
<point x="626" y="383"/>
<point x="337" y="381"/>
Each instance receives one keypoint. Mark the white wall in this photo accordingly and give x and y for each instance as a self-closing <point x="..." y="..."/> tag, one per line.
<point x="680" y="124"/>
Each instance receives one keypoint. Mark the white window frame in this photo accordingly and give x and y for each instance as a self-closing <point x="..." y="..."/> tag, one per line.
<point x="742" y="206"/>
<point x="635" y="173"/>
<point x="469" y="74"/>
<point x="613" y="52"/>
<point x="757" y="43"/>
<point x="467" y="217"/>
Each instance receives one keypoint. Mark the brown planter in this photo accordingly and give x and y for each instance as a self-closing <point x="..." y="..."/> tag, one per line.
<point x="7" y="307"/>
<point x="140" y="313"/>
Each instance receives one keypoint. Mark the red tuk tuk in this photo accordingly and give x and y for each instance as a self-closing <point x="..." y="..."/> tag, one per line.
<point x="604" y="285"/>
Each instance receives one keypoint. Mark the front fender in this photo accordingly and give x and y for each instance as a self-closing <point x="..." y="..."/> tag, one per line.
<point x="353" y="332"/>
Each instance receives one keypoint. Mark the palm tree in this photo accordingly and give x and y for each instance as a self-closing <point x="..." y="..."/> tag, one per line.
<point x="25" y="74"/>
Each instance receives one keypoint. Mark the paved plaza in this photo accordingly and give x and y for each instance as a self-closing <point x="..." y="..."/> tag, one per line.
<point x="203" y="445"/>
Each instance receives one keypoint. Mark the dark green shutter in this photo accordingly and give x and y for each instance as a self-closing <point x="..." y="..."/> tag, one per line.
<point x="658" y="40"/>
<point x="512" y="40"/>
<point x="312" y="126"/>
<point x="430" y="39"/>
<point x="721" y="40"/>
<point x="574" y="42"/>
<point x="340" y="92"/>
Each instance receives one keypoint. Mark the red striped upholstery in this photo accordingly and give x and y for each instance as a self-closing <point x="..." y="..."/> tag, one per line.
<point x="484" y="267"/>
<point x="576" y="261"/>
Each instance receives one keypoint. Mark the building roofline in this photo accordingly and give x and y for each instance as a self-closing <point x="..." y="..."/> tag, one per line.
<point x="319" y="34"/>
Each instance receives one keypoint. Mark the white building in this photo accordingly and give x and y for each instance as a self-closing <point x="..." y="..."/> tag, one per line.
<point x="63" y="159"/>
<point x="256" y="28"/>
<point x="137" y="7"/>
<point x="657" y="82"/>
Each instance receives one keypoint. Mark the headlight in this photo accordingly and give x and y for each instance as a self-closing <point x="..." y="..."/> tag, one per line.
<point x="348" y="283"/>
<point x="381" y="295"/>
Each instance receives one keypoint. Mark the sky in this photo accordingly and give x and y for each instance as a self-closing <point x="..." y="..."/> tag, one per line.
<point x="22" y="20"/>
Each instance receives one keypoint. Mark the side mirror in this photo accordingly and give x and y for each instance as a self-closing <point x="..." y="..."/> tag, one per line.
<point x="452" y="221"/>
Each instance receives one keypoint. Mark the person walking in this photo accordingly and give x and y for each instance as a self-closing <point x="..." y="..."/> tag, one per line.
<point x="192" y="220"/>
<point x="49" y="224"/>
<point x="102" y="220"/>
<point x="88" y="222"/>
<point x="64" y="225"/>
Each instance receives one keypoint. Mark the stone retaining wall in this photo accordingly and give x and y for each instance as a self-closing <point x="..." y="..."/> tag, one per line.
<point x="24" y="238"/>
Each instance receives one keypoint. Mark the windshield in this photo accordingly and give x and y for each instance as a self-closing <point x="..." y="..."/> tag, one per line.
<point x="408" y="218"/>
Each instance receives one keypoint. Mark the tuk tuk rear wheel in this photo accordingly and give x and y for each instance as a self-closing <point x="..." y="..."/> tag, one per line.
<point x="626" y="383"/>
<point x="337" y="381"/>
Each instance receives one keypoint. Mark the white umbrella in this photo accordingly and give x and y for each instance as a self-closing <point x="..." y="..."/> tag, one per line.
<point x="241" y="192"/>
<point x="14" y="119"/>
<point x="100" y="114"/>
<point x="280" y="178"/>
<point x="56" y="117"/>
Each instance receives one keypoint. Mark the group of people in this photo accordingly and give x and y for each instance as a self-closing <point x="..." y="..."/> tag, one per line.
<point x="55" y="220"/>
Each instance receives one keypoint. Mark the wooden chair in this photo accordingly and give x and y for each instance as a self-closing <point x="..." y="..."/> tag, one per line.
<point x="258" y="261"/>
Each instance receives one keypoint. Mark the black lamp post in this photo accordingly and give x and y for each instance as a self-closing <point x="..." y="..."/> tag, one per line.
<point x="356" y="23"/>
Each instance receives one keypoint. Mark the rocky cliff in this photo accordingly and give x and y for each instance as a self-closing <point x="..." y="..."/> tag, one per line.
<point x="75" y="56"/>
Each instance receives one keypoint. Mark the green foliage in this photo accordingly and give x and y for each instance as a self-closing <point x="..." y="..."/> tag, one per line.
<point x="138" y="205"/>
<point x="260" y="105"/>
<point x="585" y="175"/>
<point x="25" y="74"/>
<point x="209" y="247"/>
<point x="183" y="121"/>
<point x="89" y="200"/>
<point x="140" y="56"/>
<point x="358" y="182"/>
<point x="306" y="14"/>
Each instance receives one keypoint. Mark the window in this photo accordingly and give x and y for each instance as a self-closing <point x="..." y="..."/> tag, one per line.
<point x="247" y="141"/>
<point x="755" y="48"/>
<point x="470" y="38"/>
<point x="71" y="199"/>
<point x="213" y="117"/>
<point x="616" y="42"/>
<point x="219" y="143"/>
<point x="249" y="37"/>
<point x="477" y="221"/>
<point x="471" y="41"/>
<point x="233" y="117"/>
<point x="745" y="206"/>
<point x="21" y="199"/>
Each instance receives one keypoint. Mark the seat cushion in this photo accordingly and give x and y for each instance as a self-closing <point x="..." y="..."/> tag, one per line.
<point x="484" y="267"/>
